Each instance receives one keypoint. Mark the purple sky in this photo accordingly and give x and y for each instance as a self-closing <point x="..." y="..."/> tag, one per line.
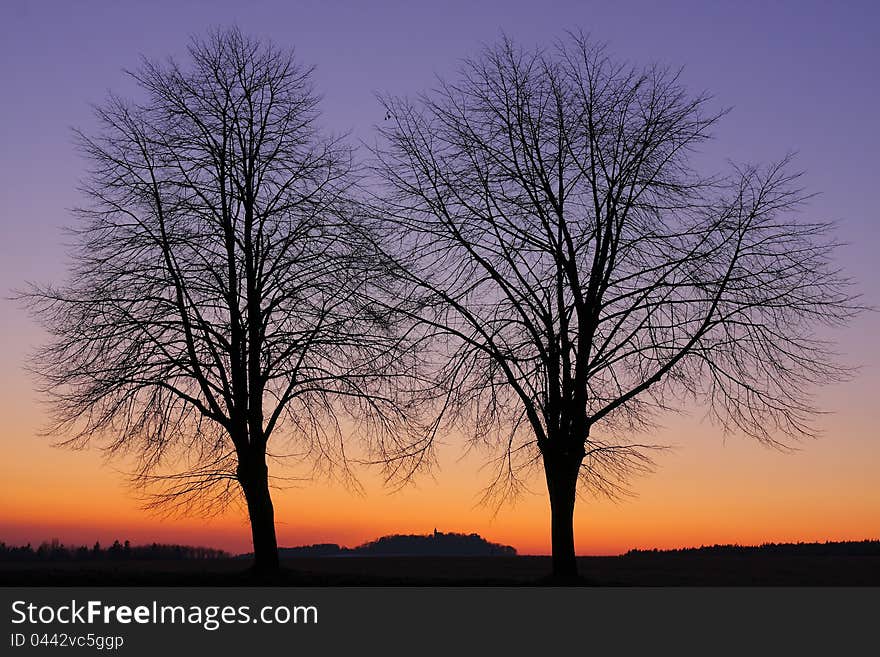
<point x="800" y="76"/>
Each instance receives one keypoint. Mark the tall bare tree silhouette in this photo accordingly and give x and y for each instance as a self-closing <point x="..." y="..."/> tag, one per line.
<point x="221" y="293"/>
<point x="581" y="276"/>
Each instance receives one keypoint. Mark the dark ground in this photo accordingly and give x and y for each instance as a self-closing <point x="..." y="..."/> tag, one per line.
<point x="644" y="569"/>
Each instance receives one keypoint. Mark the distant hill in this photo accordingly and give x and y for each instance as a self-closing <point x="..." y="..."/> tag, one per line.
<point x="438" y="544"/>
<point x="827" y="549"/>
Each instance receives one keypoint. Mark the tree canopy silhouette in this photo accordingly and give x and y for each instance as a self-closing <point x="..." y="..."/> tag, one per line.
<point x="578" y="275"/>
<point x="222" y="294"/>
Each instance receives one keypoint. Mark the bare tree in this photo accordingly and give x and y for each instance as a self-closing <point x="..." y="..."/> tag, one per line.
<point x="577" y="275"/>
<point x="221" y="292"/>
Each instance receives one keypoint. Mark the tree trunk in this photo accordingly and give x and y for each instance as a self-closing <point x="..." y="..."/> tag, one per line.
<point x="254" y="479"/>
<point x="561" y="471"/>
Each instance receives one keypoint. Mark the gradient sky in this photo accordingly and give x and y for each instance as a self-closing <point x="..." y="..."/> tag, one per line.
<point x="800" y="76"/>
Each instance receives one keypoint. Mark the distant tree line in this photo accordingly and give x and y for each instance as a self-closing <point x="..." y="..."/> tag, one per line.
<point x="55" y="550"/>
<point x="827" y="549"/>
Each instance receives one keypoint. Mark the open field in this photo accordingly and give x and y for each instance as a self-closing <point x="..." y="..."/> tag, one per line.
<point x="645" y="569"/>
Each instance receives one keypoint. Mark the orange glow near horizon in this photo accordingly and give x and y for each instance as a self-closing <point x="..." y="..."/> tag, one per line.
<point x="705" y="491"/>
